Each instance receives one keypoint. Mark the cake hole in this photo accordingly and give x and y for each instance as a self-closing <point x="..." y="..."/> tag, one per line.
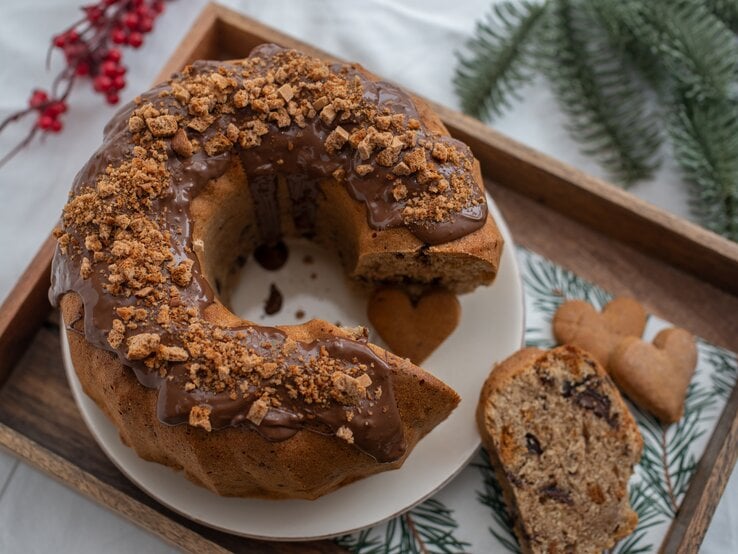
<point x="319" y="289"/>
<point x="272" y="259"/>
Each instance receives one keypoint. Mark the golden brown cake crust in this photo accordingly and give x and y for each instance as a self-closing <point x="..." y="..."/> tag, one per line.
<point x="237" y="461"/>
<point x="192" y="177"/>
<point x="563" y="445"/>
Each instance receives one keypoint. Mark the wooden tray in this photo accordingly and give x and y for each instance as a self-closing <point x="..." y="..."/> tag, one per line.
<point x="683" y="273"/>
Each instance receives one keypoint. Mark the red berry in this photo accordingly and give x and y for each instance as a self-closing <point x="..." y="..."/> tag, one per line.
<point x="38" y="97"/>
<point x="56" y="126"/>
<point x="70" y="50"/>
<point x="113" y="55"/>
<point x="135" y="39"/>
<point x="130" y="20"/>
<point x="45" y="122"/>
<point x="55" y="109"/>
<point x="118" y="36"/>
<point x="122" y="70"/>
<point x="94" y="13"/>
<point x="145" y="24"/>
<point x="157" y="6"/>
<point x="82" y="69"/>
<point x="75" y="51"/>
<point x="112" y="98"/>
<point x="102" y="83"/>
<point x="109" y="68"/>
<point x="119" y="82"/>
<point x="72" y="36"/>
<point x="60" y="41"/>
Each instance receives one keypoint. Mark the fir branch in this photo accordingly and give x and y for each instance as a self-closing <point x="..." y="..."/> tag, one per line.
<point x="695" y="48"/>
<point x="606" y="107"/>
<point x="605" y="60"/>
<point x="669" y="487"/>
<point x="617" y="19"/>
<point x="539" y="338"/>
<point x="426" y="529"/>
<point x="548" y="285"/>
<point x="726" y="11"/>
<point x="667" y="463"/>
<point x="705" y="140"/>
<point x="725" y="364"/>
<point x="500" y="60"/>
<point x="431" y="526"/>
<point x="361" y="543"/>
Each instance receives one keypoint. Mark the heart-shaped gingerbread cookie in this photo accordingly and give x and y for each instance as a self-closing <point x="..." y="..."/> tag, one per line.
<point x="413" y="329"/>
<point x="656" y="376"/>
<point x="576" y="322"/>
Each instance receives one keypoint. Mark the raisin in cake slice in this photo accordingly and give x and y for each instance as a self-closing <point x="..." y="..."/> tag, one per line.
<point x="563" y="445"/>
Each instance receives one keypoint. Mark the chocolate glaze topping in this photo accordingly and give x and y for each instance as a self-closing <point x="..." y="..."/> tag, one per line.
<point x="126" y="241"/>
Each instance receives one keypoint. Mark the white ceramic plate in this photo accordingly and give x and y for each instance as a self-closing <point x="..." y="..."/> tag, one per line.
<point x="491" y="328"/>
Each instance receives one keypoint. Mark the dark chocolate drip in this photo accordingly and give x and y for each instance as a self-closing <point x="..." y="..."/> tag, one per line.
<point x="271" y="256"/>
<point x="304" y="201"/>
<point x="266" y="206"/>
<point x="274" y="301"/>
<point x="298" y="155"/>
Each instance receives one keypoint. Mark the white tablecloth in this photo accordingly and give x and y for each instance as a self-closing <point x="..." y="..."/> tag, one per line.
<point x="410" y="41"/>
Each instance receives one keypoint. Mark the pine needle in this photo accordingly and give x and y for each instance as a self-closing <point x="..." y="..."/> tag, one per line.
<point x="725" y="376"/>
<point x="616" y="18"/>
<point x="726" y="11"/>
<point x="607" y="108"/>
<point x="705" y="140"/>
<point x="696" y="49"/>
<point x="361" y="543"/>
<point x="500" y="58"/>
<point x="429" y="528"/>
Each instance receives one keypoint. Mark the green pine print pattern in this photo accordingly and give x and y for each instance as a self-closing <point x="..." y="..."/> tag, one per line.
<point x="469" y="514"/>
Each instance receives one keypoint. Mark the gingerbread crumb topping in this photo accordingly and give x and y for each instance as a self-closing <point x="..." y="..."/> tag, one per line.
<point x="200" y="417"/>
<point x="346" y="434"/>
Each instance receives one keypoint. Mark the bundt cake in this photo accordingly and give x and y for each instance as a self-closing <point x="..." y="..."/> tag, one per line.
<point x="197" y="173"/>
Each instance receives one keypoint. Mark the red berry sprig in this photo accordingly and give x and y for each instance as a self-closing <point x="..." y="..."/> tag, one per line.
<point x="91" y="49"/>
<point x="49" y="111"/>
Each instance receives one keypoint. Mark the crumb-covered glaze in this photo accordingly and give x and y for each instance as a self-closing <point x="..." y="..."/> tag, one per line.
<point x="125" y="243"/>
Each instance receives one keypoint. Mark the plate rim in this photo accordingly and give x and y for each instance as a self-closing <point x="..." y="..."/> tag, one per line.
<point x="85" y="403"/>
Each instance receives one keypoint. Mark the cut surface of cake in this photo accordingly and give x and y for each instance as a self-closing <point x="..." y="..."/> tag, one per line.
<point x="563" y="444"/>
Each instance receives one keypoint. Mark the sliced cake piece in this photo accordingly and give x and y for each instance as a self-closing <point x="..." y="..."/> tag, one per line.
<point x="563" y="444"/>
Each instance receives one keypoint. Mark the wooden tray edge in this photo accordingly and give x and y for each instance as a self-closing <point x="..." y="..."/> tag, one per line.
<point x="96" y="490"/>
<point x="25" y="308"/>
<point x="707" y="484"/>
